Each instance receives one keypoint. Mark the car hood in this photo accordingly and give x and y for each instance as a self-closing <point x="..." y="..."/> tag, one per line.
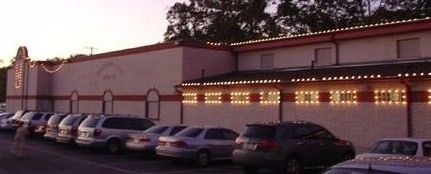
<point x="392" y="163"/>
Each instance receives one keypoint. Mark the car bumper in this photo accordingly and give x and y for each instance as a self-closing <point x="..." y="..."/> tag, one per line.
<point x="176" y="152"/>
<point x="141" y="147"/>
<point x="86" y="142"/>
<point x="65" y="139"/>
<point x="49" y="135"/>
<point x="259" y="159"/>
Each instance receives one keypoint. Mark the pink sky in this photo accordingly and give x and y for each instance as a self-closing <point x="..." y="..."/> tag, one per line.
<point x="51" y="28"/>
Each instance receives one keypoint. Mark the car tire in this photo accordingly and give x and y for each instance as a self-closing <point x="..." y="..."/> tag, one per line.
<point x="292" y="166"/>
<point x="250" y="169"/>
<point x="113" y="146"/>
<point x="203" y="158"/>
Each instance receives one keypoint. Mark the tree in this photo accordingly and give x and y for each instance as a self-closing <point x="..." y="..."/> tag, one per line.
<point x="220" y="21"/>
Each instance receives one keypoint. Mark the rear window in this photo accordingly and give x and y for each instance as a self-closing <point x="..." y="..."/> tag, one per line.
<point x="90" y="122"/>
<point x="69" y="120"/>
<point x="190" y="132"/>
<point x="259" y="131"/>
<point x="55" y="119"/>
<point x="156" y="129"/>
<point x="396" y="147"/>
<point x="427" y="148"/>
<point x="176" y="129"/>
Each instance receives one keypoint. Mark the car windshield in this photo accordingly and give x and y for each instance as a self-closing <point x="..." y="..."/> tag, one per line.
<point x="396" y="147"/>
<point x="156" y="129"/>
<point x="189" y="132"/>
<point x="55" y="119"/>
<point x="69" y="120"/>
<point x="259" y="131"/>
<point x="90" y="121"/>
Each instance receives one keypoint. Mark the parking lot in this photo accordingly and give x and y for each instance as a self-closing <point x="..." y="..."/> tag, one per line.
<point x="41" y="156"/>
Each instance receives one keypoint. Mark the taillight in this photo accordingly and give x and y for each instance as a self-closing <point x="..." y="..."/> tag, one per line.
<point x="178" y="144"/>
<point x="270" y="144"/>
<point x="97" y="132"/>
<point x="161" y="143"/>
<point x="144" y="140"/>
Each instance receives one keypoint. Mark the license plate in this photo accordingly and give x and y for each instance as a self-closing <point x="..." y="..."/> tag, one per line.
<point x="249" y="146"/>
<point x="84" y="134"/>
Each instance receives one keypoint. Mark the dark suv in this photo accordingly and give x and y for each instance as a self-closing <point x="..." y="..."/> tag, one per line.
<point x="289" y="147"/>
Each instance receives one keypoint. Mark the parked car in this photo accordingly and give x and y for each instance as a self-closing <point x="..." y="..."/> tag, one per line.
<point x="68" y="128"/>
<point x="289" y="147"/>
<point x="35" y="119"/>
<point x="11" y="121"/>
<point x="147" y="140"/>
<point x="5" y="115"/>
<point x="51" y="130"/>
<point x="110" y="132"/>
<point x="390" y="164"/>
<point x="202" y="144"/>
<point x="400" y="146"/>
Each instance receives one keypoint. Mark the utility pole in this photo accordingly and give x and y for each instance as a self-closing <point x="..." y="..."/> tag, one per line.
<point x="91" y="48"/>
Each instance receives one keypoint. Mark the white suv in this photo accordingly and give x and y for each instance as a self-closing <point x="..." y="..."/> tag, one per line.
<point x="110" y="132"/>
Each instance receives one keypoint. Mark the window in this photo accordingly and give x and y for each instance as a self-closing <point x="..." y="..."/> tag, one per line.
<point x="267" y="61"/>
<point x="307" y="97"/>
<point x="229" y="134"/>
<point x="270" y="97"/>
<point x="240" y="97"/>
<point x="176" y="129"/>
<point x="91" y="121"/>
<point x="190" y="132"/>
<point x="113" y="123"/>
<point x="153" y="105"/>
<point x="214" y="134"/>
<point x="427" y="148"/>
<point x="190" y="97"/>
<point x="396" y="147"/>
<point x="390" y="96"/>
<point x="107" y="104"/>
<point x="134" y="124"/>
<point x="323" y="56"/>
<point x="260" y="131"/>
<point x="37" y="116"/>
<point x="408" y="48"/>
<point x="156" y="129"/>
<point x="213" y="98"/>
<point x="303" y="131"/>
<point x="343" y="97"/>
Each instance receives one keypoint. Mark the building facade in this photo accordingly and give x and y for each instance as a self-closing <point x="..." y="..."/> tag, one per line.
<point x="362" y="83"/>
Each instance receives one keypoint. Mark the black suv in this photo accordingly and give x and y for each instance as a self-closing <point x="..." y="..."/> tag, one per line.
<point x="289" y="147"/>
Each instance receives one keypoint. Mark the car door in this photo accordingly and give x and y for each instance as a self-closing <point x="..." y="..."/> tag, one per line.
<point x="228" y="143"/>
<point x="329" y="151"/>
<point x="214" y="140"/>
<point x="308" y="147"/>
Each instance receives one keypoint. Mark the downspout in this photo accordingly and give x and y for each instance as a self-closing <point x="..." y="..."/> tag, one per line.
<point x="408" y="108"/>
<point x="337" y="50"/>
<point x="27" y="66"/>
<point x="280" y="102"/>
<point x="180" y="92"/>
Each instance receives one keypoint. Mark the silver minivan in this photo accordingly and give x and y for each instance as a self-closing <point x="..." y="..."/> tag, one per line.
<point x="202" y="144"/>
<point x="68" y="128"/>
<point x="109" y="131"/>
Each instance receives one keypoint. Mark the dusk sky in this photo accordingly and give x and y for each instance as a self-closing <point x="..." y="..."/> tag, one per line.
<point x="51" y="28"/>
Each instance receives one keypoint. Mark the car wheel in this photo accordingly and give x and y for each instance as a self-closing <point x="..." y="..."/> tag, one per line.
<point x="250" y="169"/>
<point x="292" y="166"/>
<point x="204" y="158"/>
<point x="113" y="146"/>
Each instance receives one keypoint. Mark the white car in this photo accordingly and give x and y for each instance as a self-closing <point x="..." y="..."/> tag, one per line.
<point x="147" y="140"/>
<point x="4" y="116"/>
<point x="9" y="123"/>
<point x="400" y="146"/>
<point x="389" y="164"/>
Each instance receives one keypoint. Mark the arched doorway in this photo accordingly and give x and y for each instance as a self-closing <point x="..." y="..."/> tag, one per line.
<point x="152" y="105"/>
<point x="74" y="102"/>
<point x="108" y="104"/>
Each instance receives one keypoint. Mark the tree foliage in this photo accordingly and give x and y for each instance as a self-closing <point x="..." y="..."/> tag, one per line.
<point x="239" y="20"/>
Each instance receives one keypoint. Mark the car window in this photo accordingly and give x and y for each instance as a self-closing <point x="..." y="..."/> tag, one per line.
<point x="396" y="147"/>
<point x="90" y="121"/>
<point x="112" y="123"/>
<point x="134" y="124"/>
<point x="147" y="123"/>
<point x="190" y="132"/>
<point x="427" y="148"/>
<point x="259" y="131"/>
<point x="176" y="129"/>
<point x="156" y="129"/>
<point x="229" y="134"/>
<point x="214" y="134"/>
<point x="322" y="134"/>
<point x="37" y="116"/>
<point x="303" y="131"/>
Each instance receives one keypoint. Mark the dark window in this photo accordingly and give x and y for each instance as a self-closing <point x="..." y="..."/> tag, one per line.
<point x="134" y="124"/>
<point x="259" y="131"/>
<point x="229" y="134"/>
<point x="48" y="116"/>
<point x="80" y="120"/>
<point x="55" y="119"/>
<point x="90" y="121"/>
<point x="427" y="148"/>
<point x="112" y="123"/>
<point x="322" y="134"/>
<point x="303" y="131"/>
<point x="214" y="134"/>
<point x="147" y="123"/>
<point x="176" y="129"/>
<point x="396" y="147"/>
<point x="37" y="116"/>
<point x="190" y="132"/>
<point x="156" y="129"/>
